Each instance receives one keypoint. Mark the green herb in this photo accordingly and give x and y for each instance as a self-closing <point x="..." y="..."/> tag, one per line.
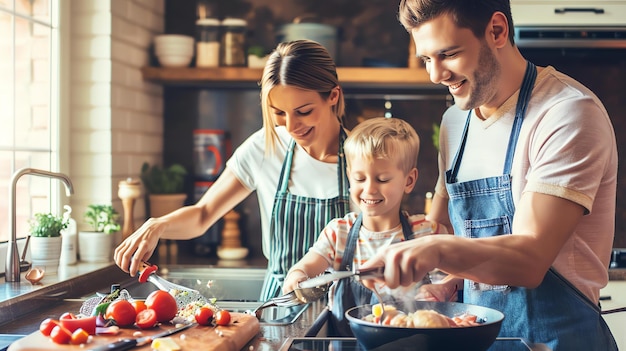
<point x="47" y="225"/>
<point x="159" y="180"/>
<point x="102" y="218"/>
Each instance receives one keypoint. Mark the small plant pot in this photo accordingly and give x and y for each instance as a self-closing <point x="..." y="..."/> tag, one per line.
<point x="45" y="253"/>
<point x="162" y="204"/>
<point x="95" y="247"/>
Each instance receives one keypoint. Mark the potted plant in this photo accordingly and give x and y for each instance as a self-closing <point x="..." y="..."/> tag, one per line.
<point x="97" y="245"/>
<point x="45" y="240"/>
<point x="165" y="188"/>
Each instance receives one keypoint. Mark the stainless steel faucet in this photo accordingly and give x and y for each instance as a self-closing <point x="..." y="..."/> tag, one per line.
<point x="12" y="266"/>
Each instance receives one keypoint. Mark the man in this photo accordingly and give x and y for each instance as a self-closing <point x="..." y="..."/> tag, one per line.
<point x="528" y="169"/>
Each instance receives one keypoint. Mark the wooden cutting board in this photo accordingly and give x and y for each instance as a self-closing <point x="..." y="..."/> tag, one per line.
<point x="234" y="337"/>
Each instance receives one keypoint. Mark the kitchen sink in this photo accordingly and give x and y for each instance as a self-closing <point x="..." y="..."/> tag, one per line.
<point x="235" y="289"/>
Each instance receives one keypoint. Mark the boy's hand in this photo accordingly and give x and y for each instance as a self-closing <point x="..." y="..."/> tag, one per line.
<point x="292" y="279"/>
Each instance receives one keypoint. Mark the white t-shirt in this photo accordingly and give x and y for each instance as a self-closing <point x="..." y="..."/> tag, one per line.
<point x="256" y="171"/>
<point x="566" y="148"/>
<point x="331" y="244"/>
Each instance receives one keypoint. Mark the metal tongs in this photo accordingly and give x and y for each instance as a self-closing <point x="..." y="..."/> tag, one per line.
<point x="298" y="296"/>
<point x="325" y="279"/>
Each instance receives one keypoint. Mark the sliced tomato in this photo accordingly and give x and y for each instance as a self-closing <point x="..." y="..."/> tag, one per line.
<point x="147" y="270"/>
<point x="122" y="311"/>
<point x="47" y="325"/>
<point x="164" y="304"/>
<point x="67" y="315"/>
<point x="204" y="316"/>
<point x="60" y="335"/>
<point x="79" y="336"/>
<point x="146" y="319"/>
<point x="222" y="317"/>
<point x="88" y="324"/>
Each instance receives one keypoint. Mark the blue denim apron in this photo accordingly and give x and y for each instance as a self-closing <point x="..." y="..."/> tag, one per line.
<point x="297" y="221"/>
<point x="555" y="313"/>
<point x="349" y="292"/>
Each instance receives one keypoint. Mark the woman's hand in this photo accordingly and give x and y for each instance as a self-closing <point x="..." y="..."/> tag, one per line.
<point x="139" y="246"/>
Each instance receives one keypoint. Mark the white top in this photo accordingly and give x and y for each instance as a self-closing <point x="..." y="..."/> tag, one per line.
<point x="256" y="171"/>
<point x="331" y="244"/>
<point x="566" y="148"/>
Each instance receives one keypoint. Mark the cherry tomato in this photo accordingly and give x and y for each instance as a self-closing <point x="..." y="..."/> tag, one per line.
<point x="60" y="335"/>
<point x="67" y="315"/>
<point x="79" y="336"/>
<point x="222" y="317"/>
<point x="163" y="303"/>
<point x="204" y="315"/>
<point x="47" y="325"/>
<point x="146" y="319"/>
<point x="88" y="324"/>
<point x="122" y="312"/>
<point x="139" y="305"/>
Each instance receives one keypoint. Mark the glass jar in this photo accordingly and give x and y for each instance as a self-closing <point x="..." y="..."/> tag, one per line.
<point x="208" y="42"/>
<point x="234" y="42"/>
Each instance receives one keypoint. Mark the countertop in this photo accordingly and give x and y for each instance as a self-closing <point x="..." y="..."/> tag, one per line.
<point x="22" y="314"/>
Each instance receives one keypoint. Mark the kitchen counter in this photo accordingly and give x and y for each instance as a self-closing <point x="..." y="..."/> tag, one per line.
<point x="23" y="314"/>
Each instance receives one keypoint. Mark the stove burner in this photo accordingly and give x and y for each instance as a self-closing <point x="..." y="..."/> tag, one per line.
<point x="350" y="344"/>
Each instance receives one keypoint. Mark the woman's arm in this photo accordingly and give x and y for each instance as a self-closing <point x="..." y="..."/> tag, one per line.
<point x="185" y="223"/>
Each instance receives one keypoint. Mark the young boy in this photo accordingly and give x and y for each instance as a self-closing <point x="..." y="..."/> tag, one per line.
<point x="381" y="156"/>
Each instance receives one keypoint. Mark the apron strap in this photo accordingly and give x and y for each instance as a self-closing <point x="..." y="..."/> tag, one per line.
<point x="520" y="110"/>
<point x="353" y="236"/>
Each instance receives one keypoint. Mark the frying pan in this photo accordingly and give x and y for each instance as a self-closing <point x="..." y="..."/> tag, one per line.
<point x="374" y="336"/>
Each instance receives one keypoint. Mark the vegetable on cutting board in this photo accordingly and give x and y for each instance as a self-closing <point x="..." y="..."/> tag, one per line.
<point x="164" y="344"/>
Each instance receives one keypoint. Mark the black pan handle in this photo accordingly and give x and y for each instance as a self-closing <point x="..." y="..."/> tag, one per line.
<point x="597" y="11"/>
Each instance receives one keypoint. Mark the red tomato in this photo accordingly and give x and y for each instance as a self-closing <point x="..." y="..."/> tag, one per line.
<point x="204" y="315"/>
<point x="60" y="335"/>
<point x="222" y="317"/>
<point x="47" y="325"/>
<point x="139" y="305"/>
<point x="164" y="304"/>
<point x="88" y="324"/>
<point x="122" y="312"/>
<point x="79" y="336"/>
<point x="67" y="315"/>
<point x="146" y="319"/>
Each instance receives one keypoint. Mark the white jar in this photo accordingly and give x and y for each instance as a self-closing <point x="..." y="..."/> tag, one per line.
<point x="208" y="42"/>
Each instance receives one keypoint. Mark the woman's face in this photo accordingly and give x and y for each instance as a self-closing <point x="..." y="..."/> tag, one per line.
<point x="304" y="113"/>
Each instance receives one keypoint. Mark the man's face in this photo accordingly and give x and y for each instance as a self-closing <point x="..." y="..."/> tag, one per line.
<point x="457" y="59"/>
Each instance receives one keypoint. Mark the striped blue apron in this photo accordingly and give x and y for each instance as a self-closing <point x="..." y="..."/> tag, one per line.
<point x="555" y="313"/>
<point x="297" y="221"/>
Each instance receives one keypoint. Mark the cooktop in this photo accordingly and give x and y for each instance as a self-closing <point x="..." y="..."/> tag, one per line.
<point x="350" y="344"/>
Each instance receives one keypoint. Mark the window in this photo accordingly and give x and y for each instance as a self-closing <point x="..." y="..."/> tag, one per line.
<point x="29" y="108"/>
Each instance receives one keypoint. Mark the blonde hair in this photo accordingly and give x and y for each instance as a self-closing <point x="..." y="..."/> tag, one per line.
<point x="384" y="138"/>
<point x="304" y="64"/>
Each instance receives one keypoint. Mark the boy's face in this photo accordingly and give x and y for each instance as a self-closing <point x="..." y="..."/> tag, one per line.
<point x="377" y="187"/>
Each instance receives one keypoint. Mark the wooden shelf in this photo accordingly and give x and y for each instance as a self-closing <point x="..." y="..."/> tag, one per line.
<point x="238" y="76"/>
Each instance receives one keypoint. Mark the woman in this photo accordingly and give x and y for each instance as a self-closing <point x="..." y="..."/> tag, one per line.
<point x="295" y="163"/>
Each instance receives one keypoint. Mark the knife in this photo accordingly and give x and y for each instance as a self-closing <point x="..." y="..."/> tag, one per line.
<point x="375" y="272"/>
<point x="127" y="344"/>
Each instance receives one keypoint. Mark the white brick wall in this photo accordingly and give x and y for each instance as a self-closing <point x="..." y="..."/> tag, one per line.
<point x="116" y="117"/>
